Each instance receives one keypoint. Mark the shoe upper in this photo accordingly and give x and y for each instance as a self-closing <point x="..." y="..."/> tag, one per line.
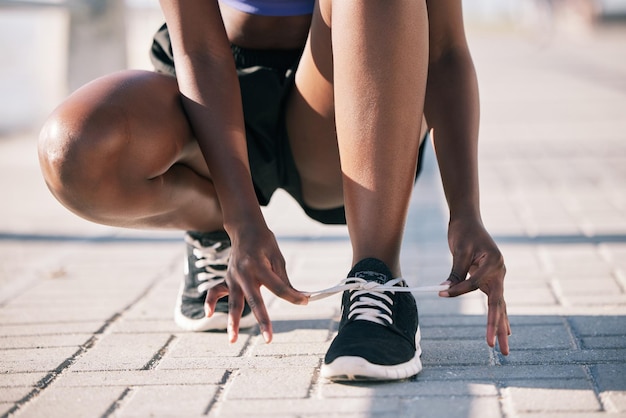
<point x="205" y="267"/>
<point x="379" y="326"/>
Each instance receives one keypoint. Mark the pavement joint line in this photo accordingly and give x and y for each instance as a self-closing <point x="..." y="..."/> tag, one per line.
<point x="246" y="350"/>
<point x="118" y="403"/>
<point x="571" y="332"/>
<point x="608" y="404"/>
<point x="45" y="382"/>
<point x="557" y="293"/>
<point x="158" y="356"/>
<point x="222" y="388"/>
<point x="48" y="379"/>
<point x="315" y="391"/>
<point x="620" y="278"/>
<point x="595" y="386"/>
<point x="505" y="401"/>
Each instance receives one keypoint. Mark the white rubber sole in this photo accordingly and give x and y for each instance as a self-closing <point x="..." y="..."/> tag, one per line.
<point x="218" y="322"/>
<point x="352" y="368"/>
<point x="358" y="369"/>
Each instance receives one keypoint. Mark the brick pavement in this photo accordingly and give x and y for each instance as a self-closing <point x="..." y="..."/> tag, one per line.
<point x="85" y="310"/>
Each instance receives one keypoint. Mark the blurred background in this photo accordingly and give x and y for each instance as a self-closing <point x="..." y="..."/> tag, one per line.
<point x="49" y="48"/>
<point x="552" y="76"/>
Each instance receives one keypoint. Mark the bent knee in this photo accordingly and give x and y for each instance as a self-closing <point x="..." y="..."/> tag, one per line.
<point x="78" y="151"/>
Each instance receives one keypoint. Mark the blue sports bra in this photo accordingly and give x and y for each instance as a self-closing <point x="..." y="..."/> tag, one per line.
<point x="272" y="7"/>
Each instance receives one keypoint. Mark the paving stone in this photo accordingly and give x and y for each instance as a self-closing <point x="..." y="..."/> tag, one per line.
<point x="10" y="379"/>
<point x="461" y="353"/>
<point x="590" y="343"/>
<point x="572" y="395"/>
<point x="564" y="356"/>
<point x="502" y="373"/>
<point x="303" y="331"/>
<point x="43" y="341"/>
<point x="465" y="332"/>
<point x="453" y="406"/>
<point x="290" y="349"/>
<point x="158" y="304"/>
<point x="145" y="326"/>
<point x="540" y="294"/>
<point x="596" y="300"/>
<point x="407" y="389"/>
<point x="610" y="377"/>
<point x="141" y="378"/>
<point x="63" y="402"/>
<point x="278" y="383"/>
<point x="26" y="315"/>
<point x="595" y="285"/>
<point x="63" y="328"/>
<point x="599" y="325"/>
<point x="259" y="362"/>
<point x="615" y="401"/>
<point x="121" y="352"/>
<point x="345" y="407"/>
<point x="13" y="394"/>
<point x="208" y="344"/>
<point x="541" y="337"/>
<point x="34" y="359"/>
<point x="168" y="400"/>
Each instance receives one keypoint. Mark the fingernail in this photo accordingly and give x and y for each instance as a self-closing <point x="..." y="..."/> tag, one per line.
<point x="446" y="283"/>
<point x="267" y="337"/>
<point x="444" y="294"/>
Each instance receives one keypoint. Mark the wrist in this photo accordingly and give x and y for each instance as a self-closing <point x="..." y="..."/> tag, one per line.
<point x="465" y="217"/>
<point x="243" y="221"/>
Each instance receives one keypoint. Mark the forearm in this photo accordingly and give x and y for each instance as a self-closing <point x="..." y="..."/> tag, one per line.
<point x="452" y="111"/>
<point x="214" y="110"/>
<point x="209" y="88"/>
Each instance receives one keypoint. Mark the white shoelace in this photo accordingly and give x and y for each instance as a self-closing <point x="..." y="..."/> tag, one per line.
<point x="368" y="299"/>
<point x="209" y="281"/>
<point x="207" y="259"/>
<point x="353" y="283"/>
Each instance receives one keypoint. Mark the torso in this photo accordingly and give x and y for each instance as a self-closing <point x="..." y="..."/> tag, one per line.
<point x="265" y="32"/>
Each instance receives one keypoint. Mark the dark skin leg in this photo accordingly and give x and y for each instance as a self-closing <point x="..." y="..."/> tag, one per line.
<point x="120" y="152"/>
<point x="376" y="145"/>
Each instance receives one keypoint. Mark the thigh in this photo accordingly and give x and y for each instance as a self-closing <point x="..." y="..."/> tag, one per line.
<point x="311" y="121"/>
<point x="134" y="117"/>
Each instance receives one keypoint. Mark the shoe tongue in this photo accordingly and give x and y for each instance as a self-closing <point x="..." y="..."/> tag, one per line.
<point x="372" y="276"/>
<point x="371" y="269"/>
<point x="207" y="239"/>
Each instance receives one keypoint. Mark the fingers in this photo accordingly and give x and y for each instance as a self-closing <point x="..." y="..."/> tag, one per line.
<point x="458" y="285"/>
<point x="249" y="289"/>
<point x="235" y="310"/>
<point x="280" y="285"/>
<point x="498" y="326"/>
<point x="213" y="295"/>
<point x="487" y="273"/>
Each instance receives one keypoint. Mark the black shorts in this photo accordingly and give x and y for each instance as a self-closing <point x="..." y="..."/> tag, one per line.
<point x="266" y="78"/>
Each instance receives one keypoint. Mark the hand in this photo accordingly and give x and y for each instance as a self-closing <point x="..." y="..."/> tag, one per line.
<point x="475" y="252"/>
<point x="255" y="261"/>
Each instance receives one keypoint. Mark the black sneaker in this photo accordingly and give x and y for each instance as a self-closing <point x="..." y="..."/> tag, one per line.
<point x="378" y="335"/>
<point x="205" y="265"/>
